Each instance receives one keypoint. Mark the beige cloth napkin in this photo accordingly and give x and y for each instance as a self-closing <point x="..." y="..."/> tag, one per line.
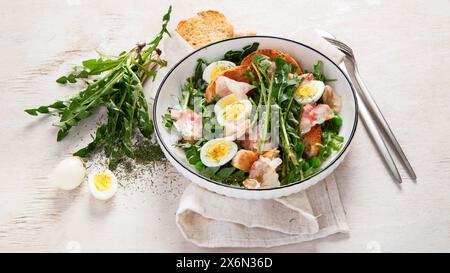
<point x="208" y="219"/>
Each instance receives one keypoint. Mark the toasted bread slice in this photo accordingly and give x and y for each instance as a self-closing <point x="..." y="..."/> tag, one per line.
<point x="311" y="139"/>
<point x="205" y="28"/>
<point x="236" y="73"/>
<point x="272" y="54"/>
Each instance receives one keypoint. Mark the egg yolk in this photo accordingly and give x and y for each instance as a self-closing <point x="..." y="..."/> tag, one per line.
<point x="217" y="151"/>
<point x="102" y="181"/>
<point x="305" y="91"/>
<point x="233" y="111"/>
<point x="227" y="101"/>
<point x="216" y="71"/>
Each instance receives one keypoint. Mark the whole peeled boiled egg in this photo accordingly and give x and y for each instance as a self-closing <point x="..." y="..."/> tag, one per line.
<point x="217" y="152"/>
<point x="214" y="69"/>
<point x="309" y="91"/>
<point x="103" y="185"/>
<point x="69" y="173"/>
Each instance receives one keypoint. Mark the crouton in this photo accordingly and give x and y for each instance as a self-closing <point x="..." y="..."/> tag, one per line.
<point x="244" y="159"/>
<point x="311" y="139"/>
<point x="272" y="54"/>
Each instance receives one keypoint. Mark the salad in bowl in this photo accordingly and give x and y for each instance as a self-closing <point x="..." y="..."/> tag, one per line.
<point x="255" y="118"/>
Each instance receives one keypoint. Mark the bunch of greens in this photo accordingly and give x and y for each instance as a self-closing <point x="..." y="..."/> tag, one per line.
<point x="118" y="87"/>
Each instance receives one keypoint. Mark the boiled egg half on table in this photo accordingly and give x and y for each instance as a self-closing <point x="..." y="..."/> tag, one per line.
<point x="103" y="185"/>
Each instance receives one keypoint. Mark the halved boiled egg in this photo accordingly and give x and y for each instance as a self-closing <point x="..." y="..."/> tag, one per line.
<point x="231" y="111"/>
<point x="214" y="69"/>
<point x="220" y="106"/>
<point x="217" y="152"/>
<point x="103" y="185"/>
<point x="309" y="91"/>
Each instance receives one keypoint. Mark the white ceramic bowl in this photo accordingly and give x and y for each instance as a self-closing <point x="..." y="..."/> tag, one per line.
<point x="169" y="90"/>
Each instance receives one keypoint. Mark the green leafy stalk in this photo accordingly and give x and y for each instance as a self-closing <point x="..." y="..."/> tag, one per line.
<point x="267" y="117"/>
<point x="118" y="87"/>
<point x="285" y="141"/>
<point x="155" y="42"/>
<point x="262" y="66"/>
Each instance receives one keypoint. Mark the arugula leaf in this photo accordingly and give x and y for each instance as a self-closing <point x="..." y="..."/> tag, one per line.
<point x="318" y="73"/>
<point x="236" y="56"/>
<point x="58" y="106"/>
<point x="197" y="79"/>
<point x="225" y="172"/>
<point x="210" y="171"/>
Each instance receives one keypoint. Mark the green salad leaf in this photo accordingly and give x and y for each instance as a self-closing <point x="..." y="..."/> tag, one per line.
<point x="236" y="56"/>
<point x="318" y="73"/>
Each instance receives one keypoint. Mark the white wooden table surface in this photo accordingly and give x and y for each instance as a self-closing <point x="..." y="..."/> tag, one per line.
<point x="403" y="48"/>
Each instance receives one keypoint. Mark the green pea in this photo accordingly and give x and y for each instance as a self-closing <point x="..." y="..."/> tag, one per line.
<point x="315" y="162"/>
<point x="337" y="121"/>
<point x="305" y="166"/>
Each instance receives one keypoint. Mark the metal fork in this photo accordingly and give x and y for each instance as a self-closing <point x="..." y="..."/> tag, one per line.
<point x="370" y="102"/>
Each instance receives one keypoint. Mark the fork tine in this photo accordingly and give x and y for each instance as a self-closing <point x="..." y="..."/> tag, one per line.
<point x="339" y="44"/>
<point x="348" y="54"/>
<point x="343" y="47"/>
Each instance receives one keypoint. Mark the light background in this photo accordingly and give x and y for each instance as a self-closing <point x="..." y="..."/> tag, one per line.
<point x="403" y="50"/>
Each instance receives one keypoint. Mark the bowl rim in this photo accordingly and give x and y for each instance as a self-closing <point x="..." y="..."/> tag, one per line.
<point x="341" y="152"/>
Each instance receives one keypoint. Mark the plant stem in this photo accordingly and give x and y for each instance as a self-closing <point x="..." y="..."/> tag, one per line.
<point x="285" y="141"/>
<point x="262" y="139"/>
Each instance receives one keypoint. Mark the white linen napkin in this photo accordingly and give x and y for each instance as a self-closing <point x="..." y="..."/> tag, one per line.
<point x="208" y="219"/>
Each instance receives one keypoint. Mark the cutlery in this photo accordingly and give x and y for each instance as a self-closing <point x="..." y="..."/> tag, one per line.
<point x="373" y="109"/>
<point x="377" y="138"/>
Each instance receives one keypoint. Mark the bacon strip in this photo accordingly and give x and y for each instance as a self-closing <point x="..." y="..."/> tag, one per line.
<point x="226" y="86"/>
<point x="314" y="114"/>
<point x="332" y="99"/>
<point x="188" y="123"/>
